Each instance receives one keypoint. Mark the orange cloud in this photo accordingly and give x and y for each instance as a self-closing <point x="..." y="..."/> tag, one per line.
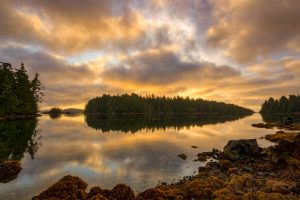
<point x="71" y="27"/>
<point x="252" y="29"/>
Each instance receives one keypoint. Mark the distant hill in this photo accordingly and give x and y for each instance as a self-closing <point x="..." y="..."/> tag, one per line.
<point x="133" y="103"/>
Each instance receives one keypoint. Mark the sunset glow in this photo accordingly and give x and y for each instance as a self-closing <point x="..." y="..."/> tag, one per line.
<point x="236" y="51"/>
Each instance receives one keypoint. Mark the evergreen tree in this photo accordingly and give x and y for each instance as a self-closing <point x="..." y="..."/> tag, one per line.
<point x="18" y="95"/>
<point x="8" y="99"/>
<point x="283" y="105"/>
<point x="24" y="92"/>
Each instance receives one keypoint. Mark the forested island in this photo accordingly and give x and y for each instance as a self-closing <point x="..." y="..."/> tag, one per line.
<point x="289" y="104"/>
<point x="18" y="94"/>
<point x="134" y="103"/>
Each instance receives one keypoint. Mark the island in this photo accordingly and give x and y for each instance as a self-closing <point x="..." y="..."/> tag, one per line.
<point x="134" y="103"/>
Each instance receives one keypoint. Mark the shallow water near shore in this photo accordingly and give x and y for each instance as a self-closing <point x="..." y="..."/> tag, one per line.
<point x="140" y="151"/>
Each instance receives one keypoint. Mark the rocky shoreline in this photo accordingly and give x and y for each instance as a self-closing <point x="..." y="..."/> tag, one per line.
<point x="242" y="171"/>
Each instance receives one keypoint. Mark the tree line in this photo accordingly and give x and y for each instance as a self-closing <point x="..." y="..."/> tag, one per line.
<point x="134" y="103"/>
<point x="18" y="94"/>
<point x="290" y="104"/>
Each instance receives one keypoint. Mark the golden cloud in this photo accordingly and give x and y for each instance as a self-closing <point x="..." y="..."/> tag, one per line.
<point x="252" y="29"/>
<point x="71" y="27"/>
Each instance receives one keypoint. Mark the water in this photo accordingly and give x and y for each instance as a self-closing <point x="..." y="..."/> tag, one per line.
<point x="139" y="151"/>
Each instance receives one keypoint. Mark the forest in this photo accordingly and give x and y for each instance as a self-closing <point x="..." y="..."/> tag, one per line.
<point x="19" y="94"/>
<point x="284" y="104"/>
<point x="134" y="103"/>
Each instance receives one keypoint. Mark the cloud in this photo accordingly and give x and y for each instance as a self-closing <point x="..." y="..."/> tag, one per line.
<point x="65" y="83"/>
<point x="234" y="51"/>
<point x="71" y="27"/>
<point x="253" y="29"/>
<point x="162" y="67"/>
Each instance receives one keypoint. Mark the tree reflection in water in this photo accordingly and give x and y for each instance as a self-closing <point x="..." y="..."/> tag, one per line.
<point x="132" y="123"/>
<point x="18" y="137"/>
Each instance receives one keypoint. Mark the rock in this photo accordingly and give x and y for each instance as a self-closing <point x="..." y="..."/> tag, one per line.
<point x="296" y="189"/>
<point x="182" y="156"/>
<point x="216" y="151"/>
<point x="69" y="187"/>
<point x="201" y="157"/>
<point x="233" y="170"/>
<point x="153" y="193"/>
<point x="278" y="187"/>
<point x="212" y="165"/>
<point x="241" y="183"/>
<point x="201" y="169"/>
<point x="9" y="170"/>
<point x="259" y="195"/>
<point x="266" y="167"/>
<point x="94" y="191"/>
<point x="278" y="132"/>
<point x="208" y="153"/>
<point x="294" y="127"/>
<point x="122" y="192"/>
<point x="194" y="147"/>
<point x="240" y="149"/>
<point x="161" y="193"/>
<point x="98" y="197"/>
<point x="225" y="164"/>
<point x="202" y="188"/>
<point x="248" y="169"/>
<point x="266" y="125"/>
<point x="282" y="136"/>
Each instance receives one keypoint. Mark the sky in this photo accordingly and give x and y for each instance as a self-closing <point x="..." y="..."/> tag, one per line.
<point x="235" y="51"/>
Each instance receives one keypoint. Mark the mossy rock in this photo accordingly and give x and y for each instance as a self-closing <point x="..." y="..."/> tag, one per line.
<point x="9" y="170"/>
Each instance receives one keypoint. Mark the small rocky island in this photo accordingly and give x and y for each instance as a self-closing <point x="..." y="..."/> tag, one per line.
<point x="242" y="171"/>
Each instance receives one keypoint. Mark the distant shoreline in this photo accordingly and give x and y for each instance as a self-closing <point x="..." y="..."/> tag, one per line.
<point x="19" y="116"/>
<point x="164" y="113"/>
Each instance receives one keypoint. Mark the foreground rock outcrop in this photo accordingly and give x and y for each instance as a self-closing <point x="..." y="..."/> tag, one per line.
<point x="9" y="170"/>
<point x="240" y="149"/>
<point x="243" y="171"/>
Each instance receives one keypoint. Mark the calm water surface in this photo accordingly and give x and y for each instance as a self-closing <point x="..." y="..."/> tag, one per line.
<point x="106" y="150"/>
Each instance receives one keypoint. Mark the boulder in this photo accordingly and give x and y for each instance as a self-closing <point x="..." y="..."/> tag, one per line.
<point x="9" y="170"/>
<point x="264" y="125"/>
<point x="122" y="192"/>
<point x="69" y="187"/>
<point x="202" y="157"/>
<point x="95" y="191"/>
<point x="153" y="193"/>
<point x="182" y="156"/>
<point x="240" y="149"/>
